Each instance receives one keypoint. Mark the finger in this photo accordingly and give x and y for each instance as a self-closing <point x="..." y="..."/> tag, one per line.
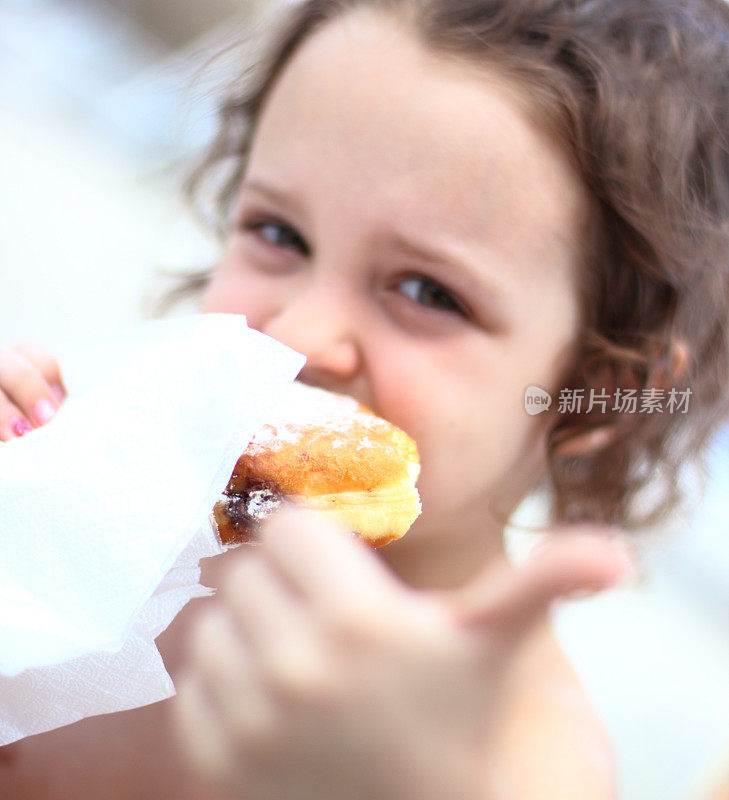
<point x="262" y="604"/>
<point x="199" y="730"/>
<point x="45" y="362"/>
<point x="225" y="669"/>
<point x="509" y="600"/>
<point x="325" y="563"/>
<point x="284" y="646"/>
<point x="26" y="388"/>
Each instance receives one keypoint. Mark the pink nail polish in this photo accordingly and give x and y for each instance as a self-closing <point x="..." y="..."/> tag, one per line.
<point x="58" y="392"/>
<point x="20" y="427"/>
<point x="44" y="411"/>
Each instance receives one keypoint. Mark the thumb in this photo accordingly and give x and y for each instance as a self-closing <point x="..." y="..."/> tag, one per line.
<point x="508" y="600"/>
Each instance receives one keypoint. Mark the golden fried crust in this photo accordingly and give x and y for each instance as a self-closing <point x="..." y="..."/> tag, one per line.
<point x="348" y="463"/>
<point x="321" y="461"/>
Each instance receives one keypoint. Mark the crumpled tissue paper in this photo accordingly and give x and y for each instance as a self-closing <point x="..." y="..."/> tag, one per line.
<point x="104" y="511"/>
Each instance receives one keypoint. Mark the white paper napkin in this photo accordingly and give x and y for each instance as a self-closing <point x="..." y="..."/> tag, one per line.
<point x="104" y="512"/>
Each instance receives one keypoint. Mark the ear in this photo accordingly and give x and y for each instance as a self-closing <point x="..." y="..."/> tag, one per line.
<point x="575" y="441"/>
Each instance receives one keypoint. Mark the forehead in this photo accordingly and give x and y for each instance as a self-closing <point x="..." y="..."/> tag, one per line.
<point x="366" y="118"/>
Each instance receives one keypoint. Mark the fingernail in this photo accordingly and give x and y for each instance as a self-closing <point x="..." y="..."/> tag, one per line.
<point x="20" y="427"/>
<point x="43" y="411"/>
<point x="58" y="392"/>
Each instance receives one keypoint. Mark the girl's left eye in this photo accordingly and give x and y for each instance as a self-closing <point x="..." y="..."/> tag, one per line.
<point x="431" y="294"/>
<point x="278" y="235"/>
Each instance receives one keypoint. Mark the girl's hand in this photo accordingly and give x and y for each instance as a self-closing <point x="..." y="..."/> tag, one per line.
<point x="31" y="389"/>
<point x="319" y="675"/>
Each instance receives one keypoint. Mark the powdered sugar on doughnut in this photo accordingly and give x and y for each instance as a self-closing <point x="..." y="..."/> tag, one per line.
<point x="307" y="407"/>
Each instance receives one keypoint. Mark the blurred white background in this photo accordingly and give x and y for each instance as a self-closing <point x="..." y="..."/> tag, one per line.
<point x="102" y="106"/>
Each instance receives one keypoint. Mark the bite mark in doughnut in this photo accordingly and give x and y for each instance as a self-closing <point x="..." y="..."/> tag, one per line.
<point x="329" y="453"/>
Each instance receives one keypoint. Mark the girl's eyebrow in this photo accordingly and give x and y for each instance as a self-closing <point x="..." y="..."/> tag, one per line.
<point x="268" y="190"/>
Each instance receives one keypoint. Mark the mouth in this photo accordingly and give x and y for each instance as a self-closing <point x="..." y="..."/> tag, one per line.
<point x="327" y="452"/>
<point x="329" y="386"/>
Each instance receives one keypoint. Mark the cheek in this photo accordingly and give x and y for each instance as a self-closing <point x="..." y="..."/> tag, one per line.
<point x="440" y="404"/>
<point x="231" y="291"/>
<point x="467" y="418"/>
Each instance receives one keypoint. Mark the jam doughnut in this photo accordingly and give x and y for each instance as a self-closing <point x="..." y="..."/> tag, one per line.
<point x="329" y="453"/>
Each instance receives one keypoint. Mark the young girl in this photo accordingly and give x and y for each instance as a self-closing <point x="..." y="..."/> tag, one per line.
<point x="441" y="204"/>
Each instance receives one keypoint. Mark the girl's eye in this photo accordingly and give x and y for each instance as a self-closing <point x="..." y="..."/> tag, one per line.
<point x="430" y="294"/>
<point x="278" y="235"/>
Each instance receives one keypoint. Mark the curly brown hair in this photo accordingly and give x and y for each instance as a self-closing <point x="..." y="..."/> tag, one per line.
<point x="637" y="92"/>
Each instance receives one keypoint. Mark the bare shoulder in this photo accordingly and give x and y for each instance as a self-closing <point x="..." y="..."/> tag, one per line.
<point x="553" y="743"/>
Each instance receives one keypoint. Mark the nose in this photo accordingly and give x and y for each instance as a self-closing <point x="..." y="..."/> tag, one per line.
<point x="320" y="324"/>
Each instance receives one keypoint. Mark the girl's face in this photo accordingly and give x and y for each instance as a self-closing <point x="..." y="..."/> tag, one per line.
<point x="405" y="225"/>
